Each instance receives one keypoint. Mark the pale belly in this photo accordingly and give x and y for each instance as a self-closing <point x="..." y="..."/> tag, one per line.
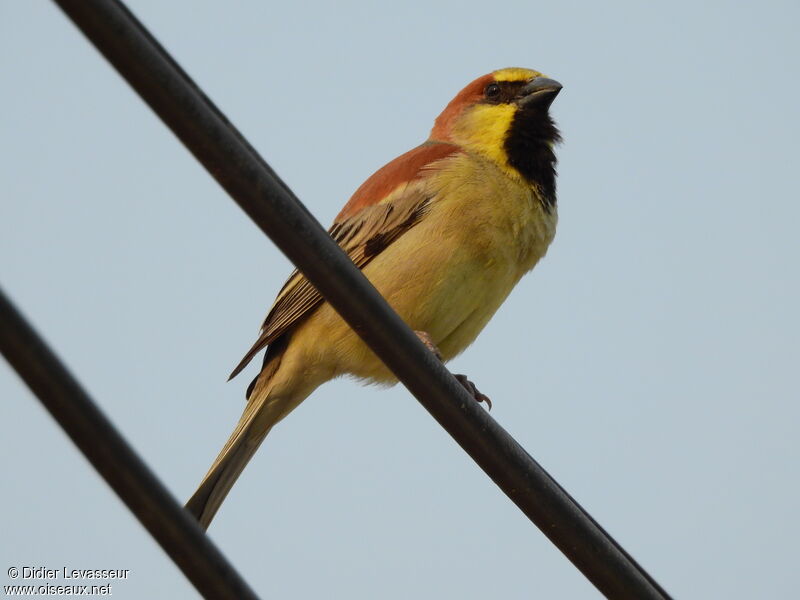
<point x="450" y="274"/>
<point x="446" y="276"/>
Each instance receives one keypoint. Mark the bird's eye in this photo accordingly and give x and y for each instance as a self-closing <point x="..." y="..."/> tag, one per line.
<point x="492" y="91"/>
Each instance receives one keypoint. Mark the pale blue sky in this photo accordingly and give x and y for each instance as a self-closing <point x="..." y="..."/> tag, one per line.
<point x="649" y="362"/>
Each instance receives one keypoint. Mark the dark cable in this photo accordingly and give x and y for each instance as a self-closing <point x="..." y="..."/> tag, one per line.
<point x="172" y="527"/>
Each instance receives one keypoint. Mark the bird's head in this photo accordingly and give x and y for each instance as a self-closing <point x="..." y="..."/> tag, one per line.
<point x="505" y="117"/>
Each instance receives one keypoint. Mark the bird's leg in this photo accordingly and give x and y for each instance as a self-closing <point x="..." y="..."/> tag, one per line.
<point x="425" y="338"/>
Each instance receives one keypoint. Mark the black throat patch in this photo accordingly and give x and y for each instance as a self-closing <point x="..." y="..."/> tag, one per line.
<point x="529" y="147"/>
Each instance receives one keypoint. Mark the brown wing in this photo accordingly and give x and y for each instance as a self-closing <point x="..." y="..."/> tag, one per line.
<point x="362" y="236"/>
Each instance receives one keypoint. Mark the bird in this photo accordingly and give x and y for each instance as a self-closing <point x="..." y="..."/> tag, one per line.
<point x="444" y="232"/>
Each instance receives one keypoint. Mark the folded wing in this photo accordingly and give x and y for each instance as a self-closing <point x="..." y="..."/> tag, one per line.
<point x="388" y="204"/>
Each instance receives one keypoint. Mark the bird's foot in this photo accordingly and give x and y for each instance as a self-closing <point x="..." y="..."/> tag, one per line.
<point x="426" y="339"/>
<point x="472" y="389"/>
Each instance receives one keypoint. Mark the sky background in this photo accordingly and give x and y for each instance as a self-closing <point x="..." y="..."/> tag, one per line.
<point x="649" y="362"/>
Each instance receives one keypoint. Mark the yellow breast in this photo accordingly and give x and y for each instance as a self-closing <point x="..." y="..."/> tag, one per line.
<point x="490" y="229"/>
<point x="449" y="274"/>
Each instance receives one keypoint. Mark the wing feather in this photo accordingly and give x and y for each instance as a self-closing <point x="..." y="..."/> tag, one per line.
<point x="362" y="236"/>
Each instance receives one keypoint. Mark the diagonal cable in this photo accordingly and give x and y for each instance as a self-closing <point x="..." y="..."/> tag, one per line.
<point x="136" y="485"/>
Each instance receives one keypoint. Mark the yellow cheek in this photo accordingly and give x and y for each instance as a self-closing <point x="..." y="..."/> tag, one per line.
<point x="483" y="129"/>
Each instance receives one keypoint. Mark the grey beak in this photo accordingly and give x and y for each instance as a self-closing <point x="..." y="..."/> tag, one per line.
<point x="539" y="92"/>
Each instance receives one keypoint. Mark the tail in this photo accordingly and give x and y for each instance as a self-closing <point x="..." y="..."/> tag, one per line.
<point x="262" y="412"/>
